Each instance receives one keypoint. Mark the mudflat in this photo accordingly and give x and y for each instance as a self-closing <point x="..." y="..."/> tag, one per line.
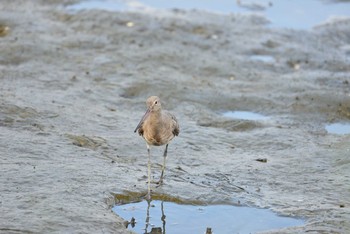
<point x="73" y="86"/>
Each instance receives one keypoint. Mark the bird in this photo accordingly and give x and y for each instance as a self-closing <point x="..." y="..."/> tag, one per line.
<point x="158" y="127"/>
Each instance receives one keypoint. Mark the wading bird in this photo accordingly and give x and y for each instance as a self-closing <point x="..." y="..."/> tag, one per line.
<point x="158" y="127"/>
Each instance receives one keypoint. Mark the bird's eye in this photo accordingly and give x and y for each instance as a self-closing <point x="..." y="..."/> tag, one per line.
<point x="156" y="102"/>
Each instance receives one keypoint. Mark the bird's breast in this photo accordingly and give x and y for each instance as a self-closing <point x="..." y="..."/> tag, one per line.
<point x="154" y="136"/>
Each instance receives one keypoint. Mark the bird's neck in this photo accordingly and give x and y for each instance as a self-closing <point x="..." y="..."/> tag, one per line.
<point x="155" y="116"/>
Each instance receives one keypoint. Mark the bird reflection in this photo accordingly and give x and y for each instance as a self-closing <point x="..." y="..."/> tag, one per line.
<point x="155" y="230"/>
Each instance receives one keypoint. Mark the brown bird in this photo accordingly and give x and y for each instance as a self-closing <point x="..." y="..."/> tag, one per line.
<point x="158" y="127"/>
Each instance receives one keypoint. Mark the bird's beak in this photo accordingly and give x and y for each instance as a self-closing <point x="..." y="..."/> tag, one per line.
<point x="143" y="119"/>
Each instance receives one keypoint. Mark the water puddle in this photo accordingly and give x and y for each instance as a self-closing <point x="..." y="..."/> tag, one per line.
<point x="263" y="58"/>
<point x="245" y="115"/>
<point x="176" y="216"/>
<point x="282" y="13"/>
<point x="338" y="128"/>
<point x="108" y="5"/>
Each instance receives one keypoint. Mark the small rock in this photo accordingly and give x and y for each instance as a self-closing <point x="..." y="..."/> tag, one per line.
<point x="263" y="160"/>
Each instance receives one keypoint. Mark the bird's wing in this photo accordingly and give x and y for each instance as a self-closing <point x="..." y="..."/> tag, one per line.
<point x="175" y="124"/>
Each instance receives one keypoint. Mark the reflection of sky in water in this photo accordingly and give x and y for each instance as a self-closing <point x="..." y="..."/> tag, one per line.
<point x="263" y="58"/>
<point x="195" y="219"/>
<point x="338" y="128"/>
<point x="297" y="14"/>
<point x="244" y="115"/>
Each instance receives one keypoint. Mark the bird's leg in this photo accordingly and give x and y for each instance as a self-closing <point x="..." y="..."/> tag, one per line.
<point x="149" y="173"/>
<point x="147" y="216"/>
<point x="163" y="167"/>
<point x="163" y="217"/>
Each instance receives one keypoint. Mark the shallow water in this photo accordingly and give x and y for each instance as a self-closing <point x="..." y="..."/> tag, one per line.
<point x="174" y="218"/>
<point x="246" y="115"/>
<point x="263" y="58"/>
<point x="338" y="128"/>
<point x="282" y="13"/>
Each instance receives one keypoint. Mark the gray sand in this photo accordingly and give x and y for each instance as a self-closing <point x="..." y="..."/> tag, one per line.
<point x="73" y="88"/>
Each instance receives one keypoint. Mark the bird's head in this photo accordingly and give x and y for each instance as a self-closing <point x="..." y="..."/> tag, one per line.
<point x="153" y="104"/>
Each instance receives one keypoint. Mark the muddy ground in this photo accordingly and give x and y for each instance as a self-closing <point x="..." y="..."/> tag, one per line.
<point x="73" y="88"/>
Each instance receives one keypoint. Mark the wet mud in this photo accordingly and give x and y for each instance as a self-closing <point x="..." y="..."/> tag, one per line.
<point x="74" y="85"/>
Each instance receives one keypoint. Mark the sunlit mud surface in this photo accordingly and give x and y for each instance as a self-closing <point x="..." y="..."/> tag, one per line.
<point x="74" y="85"/>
